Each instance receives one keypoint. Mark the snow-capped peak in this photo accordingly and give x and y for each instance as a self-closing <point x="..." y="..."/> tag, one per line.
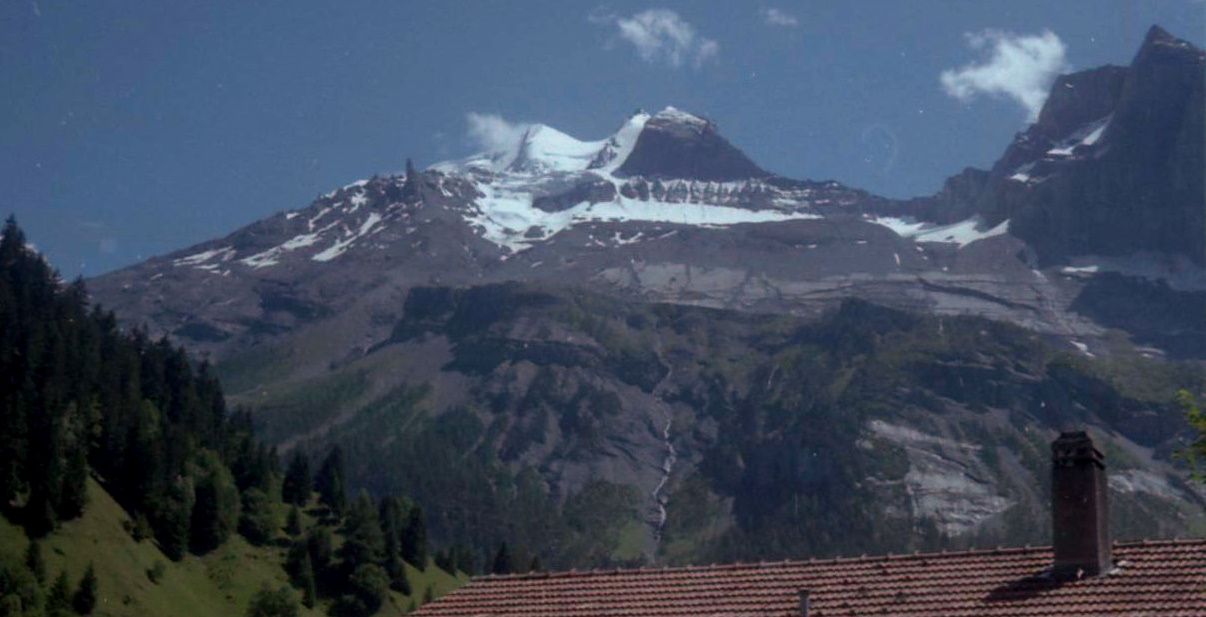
<point x="677" y="116"/>
<point x="542" y="148"/>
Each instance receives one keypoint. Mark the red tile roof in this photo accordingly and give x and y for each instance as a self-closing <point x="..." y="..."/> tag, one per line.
<point x="1152" y="578"/>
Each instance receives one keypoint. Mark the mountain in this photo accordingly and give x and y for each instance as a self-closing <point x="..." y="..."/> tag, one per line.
<point x="652" y="326"/>
<point x="1113" y="166"/>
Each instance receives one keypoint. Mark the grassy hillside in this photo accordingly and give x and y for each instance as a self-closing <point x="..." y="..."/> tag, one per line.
<point x="219" y="583"/>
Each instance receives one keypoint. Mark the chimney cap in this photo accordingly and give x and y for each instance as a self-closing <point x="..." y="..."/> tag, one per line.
<point x="1075" y="446"/>
<point x="804" y="602"/>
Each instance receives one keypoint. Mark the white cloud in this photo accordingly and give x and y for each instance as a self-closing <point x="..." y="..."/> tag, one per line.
<point x="1020" y="67"/>
<point x="660" y="35"/>
<point x="779" y="17"/>
<point x="492" y="133"/>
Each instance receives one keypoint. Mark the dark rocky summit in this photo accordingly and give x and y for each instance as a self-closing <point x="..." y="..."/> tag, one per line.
<point x="675" y="144"/>
<point x="1114" y="164"/>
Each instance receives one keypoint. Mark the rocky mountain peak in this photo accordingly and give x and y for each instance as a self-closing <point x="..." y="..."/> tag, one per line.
<point x="1113" y="164"/>
<point x="678" y="144"/>
<point x="1159" y="38"/>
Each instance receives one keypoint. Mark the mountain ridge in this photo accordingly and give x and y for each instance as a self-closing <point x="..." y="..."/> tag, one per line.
<point x="581" y="319"/>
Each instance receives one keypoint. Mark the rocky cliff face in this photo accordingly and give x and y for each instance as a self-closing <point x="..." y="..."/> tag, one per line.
<point x="1113" y="165"/>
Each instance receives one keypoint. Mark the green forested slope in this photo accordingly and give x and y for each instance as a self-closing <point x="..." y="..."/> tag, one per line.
<point x="128" y="488"/>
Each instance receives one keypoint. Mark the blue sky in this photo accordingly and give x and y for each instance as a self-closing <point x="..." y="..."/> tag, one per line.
<point x="130" y="129"/>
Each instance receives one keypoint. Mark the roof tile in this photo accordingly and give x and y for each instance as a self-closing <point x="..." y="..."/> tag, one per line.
<point x="1154" y="578"/>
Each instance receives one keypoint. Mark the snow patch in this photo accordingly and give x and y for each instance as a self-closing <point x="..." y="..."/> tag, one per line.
<point x="678" y="116"/>
<point x="543" y="148"/>
<point x="224" y="254"/>
<point x="1177" y="271"/>
<point x="301" y="241"/>
<point x="1086" y="135"/>
<point x="341" y="246"/>
<point x="268" y="258"/>
<point x="504" y="213"/>
<point x="962" y="233"/>
<point x="1022" y="174"/>
<point x="1084" y="349"/>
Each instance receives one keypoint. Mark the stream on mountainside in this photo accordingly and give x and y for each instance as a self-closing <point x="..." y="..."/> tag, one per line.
<point x="657" y="494"/>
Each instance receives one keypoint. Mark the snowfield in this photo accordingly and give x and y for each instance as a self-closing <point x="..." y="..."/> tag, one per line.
<point x="962" y="233"/>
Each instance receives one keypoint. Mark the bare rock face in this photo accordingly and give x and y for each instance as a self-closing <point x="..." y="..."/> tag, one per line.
<point x="1113" y="165"/>
<point x="676" y="144"/>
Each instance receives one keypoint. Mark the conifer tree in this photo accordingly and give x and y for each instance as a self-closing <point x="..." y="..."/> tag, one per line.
<point x="463" y="558"/>
<point x="73" y="496"/>
<point x="366" y="591"/>
<point x="84" y="600"/>
<point x="34" y="562"/>
<point x="414" y="539"/>
<point x="363" y="541"/>
<point x="215" y="514"/>
<point x="394" y="566"/>
<point x="306" y="581"/>
<point x="332" y="491"/>
<point x="293" y="523"/>
<point x="318" y="544"/>
<point x="502" y="561"/>
<point x="58" y="599"/>
<point x="444" y="561"/>
<point x="257" y="520"/>
<point x="172" y="529"/>
<point x="298" y="483"/>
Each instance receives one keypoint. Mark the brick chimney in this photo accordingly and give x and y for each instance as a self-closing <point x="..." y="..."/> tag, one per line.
<point x="1079" y="510"/>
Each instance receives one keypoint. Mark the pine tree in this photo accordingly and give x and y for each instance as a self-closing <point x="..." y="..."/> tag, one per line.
<point x="293" y="524"/>
<point x="216" y="508"/>
<point x="307" y="582"/>
<point x="58" y="600"/>
<point x="84" y="600"/>
<point x="73" y="496"/>
<point x="318" y="545"/>
<point x="463" y="558"/>
<point x="172" y="526"/>
<point x="536" y="566"/>
<point x="298" y="484"/>
<point x="257" y="520"/>
<point x="394" y="566"/>
<point x="414" y="539"/>
<point x="34" y="562"/>
<point x="366" y="591"/>
<point x="39" y="515"/>
<point x="502" y="561"/>
<point x="363" y="541"/>
<point x="332" y="491"/>
<point x="444" y="561"/>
